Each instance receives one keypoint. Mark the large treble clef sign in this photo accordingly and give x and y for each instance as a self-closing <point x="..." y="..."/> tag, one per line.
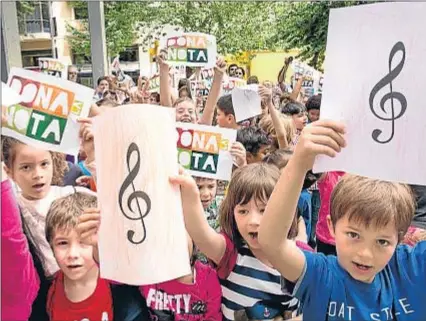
<point x="135" y="196"/>
<point x="391" y="95"/>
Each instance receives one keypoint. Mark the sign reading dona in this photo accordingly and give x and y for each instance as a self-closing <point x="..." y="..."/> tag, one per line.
<point x="46" y="116"/>
<point x="204" y="150"/>
<point x="191" y="49"/>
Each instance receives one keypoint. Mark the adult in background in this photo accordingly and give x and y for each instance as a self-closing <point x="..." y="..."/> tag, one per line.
<point x="73" y="73"/>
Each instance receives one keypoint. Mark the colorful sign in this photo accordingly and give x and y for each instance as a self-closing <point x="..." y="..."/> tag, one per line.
<point x="142" y="237"/>
<point x="204" y="150"/>
<point x="53" y="67"/>
<point x="230" y="83"/>
<point x="190" y="49"/>
<point x="46" y="116"/>
<point x="311" y="82"/>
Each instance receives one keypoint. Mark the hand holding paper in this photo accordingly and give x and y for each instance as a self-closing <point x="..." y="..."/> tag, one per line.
<point x="246" y="101"/>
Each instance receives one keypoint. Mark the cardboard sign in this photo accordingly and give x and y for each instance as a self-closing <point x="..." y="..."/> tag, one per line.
<point x="311" y="83"/>
<point x="230" y="83"/>
<point x="204" y="150"/>
<point x="142" y="237"/>
<point x="380" y="96"/>
<point x="9" y="96"/>
<point x="246" y="102"/>
<point x="53" y="67"/>
<point x="191" y="49"/>
<point x="47" y="115"/>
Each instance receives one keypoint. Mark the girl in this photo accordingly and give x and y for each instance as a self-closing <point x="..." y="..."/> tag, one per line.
<point x="249" y="282"/>
<point x="298" y="113"/>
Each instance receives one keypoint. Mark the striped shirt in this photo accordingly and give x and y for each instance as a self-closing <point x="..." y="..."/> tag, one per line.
<point x="251" y="289"/>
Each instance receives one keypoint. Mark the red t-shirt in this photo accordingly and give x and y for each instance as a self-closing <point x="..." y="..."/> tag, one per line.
<point x="97" y="307"/>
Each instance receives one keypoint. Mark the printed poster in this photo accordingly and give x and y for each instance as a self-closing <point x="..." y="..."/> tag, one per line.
<point x="230" y="83"/>
<point x="190" y="49"/>
<point x="381" y="96"/>
<point x="311" y="83"/>
<point x="142" y="237"/>
<point x="47" y="115"/>
<point x="204" y="151"/>
<point x="53" y="67"/>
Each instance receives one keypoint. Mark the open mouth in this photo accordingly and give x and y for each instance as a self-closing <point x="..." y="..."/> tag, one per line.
<point x="186" y="120"/>
<point x="362" y="267"/>
<point x="74" y="266"/>
<point x="205" y="203"/>
<point x="253" y="235"/>
<point x="38" y="186"/>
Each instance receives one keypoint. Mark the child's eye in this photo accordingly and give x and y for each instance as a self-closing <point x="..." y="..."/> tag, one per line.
<point x="242" y="211"/>
<point x="211" y="186"/>
<point x="352" y="235"/>
<point x="61" y="243"/>
<point x="44" y="164"/>
<point x="262" y="210"/>
<point x="25" y="167"/>
<point x="383" y="243"/>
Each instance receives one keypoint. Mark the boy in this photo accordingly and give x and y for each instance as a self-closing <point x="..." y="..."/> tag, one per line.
<point x="225" y="115"/>
<point x="313" y="106"/>
<point x="256" y="143"/>
<point x="77" y="292"/>
<point x="372" y="277"/>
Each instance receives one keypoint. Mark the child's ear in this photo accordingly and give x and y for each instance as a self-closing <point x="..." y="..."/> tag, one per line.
<point x="231" y="118"/>
<point x="330" y="226"/>
<point x="8" y="171"/>
<point x="249" y="157"/>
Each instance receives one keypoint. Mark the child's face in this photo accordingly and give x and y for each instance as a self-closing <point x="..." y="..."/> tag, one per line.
<point x="185" y="112"/>
<point x="32" y="170"/>
<point x="314" y="115"/>
<point x="263" y="151"/>
<point x="74" y="258"/>
<point x="363" y="252"/>
<point x="208" y="188"/>
<point x="248" y="218"/>
<point x="300" y="120"/>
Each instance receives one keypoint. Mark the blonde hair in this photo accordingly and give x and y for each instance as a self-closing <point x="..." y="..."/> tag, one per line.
<point x="267" y="125"/>
<point x="64" y="212"/>
<point x="255" y="181"/>
<point x="59" y="163"/>
<point x="372" y="202"/>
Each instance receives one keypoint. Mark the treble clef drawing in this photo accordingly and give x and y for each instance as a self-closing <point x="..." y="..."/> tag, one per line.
<point x="391" y="95"/>
<point x="135" y="196"/>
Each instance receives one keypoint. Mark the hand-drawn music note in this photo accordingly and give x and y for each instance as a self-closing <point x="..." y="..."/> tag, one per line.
<point x="393" y="73"/>
<point x="134" y="196"/>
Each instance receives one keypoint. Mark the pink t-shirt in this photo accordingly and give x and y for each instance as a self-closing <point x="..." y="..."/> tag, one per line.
<point x="173" y="300"/>
<point x="325" y="187"/>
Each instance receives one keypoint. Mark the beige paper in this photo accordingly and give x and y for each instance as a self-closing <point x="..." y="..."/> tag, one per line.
<point x="142" y="237"/>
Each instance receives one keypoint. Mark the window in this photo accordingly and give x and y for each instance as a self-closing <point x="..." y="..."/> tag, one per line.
<point x="130" y="55"/>
<point x="38" y="21"/>
<point x="30" y="58"/>
<point x="80" y="12"/>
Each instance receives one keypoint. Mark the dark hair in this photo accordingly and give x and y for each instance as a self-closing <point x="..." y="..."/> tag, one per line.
<point x="103" y="78"/>
<point x="242" y="69"/>
<point x="108" y="102"/>
<point x="232" y="65"/>
<point x="183" y="82"/>
<point x="252" y="80"/>
<point x="225" y="104"/>
<point x="156" y="95"/>
<point x="314" y="102"/>
<point x="253" y="138"/>
<point x="185" y="88"/>
<point x="293" y="108"/>
<point x="279" y="157"/>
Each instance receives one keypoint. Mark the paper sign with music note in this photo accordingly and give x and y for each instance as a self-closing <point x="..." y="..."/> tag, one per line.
<point x="374" y="82"/>
<point x="142" y="237"/>
<point x="246" y="101"/>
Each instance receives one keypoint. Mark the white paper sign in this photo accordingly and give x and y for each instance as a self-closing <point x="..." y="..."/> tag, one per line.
<point x="53" y="67"/>
<point x="142" y="237"/>
<point x="190" y="49"/>
<point x="246" y="102"/>
<point x="204" y="151"/>
<point x="47" y="115"/>
<point x="376" y="58"/>
<point x="9" y="96"/>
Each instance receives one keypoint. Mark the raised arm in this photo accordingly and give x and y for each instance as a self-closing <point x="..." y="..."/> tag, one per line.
<point x="219" y="71"/>
<point x="323" y="137"/>
<point x="211" y="243"/>
<point x="296" y="91"/>
<point x="266" y="95"/>
<point x="165" y="92"/>
<point x="19" y="280"/>
<point x="283" y="72"/>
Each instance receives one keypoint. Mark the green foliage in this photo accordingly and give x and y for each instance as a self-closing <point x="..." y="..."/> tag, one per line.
<point x="304" y="25"/>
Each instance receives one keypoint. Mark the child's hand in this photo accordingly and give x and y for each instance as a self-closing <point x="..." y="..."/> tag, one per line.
<point x="220" y="66"/>
<point x="239" y="154"/>
<point x="83" y="181"/>
<point x="265" y="94"/>
<point x="86" y="135"/>
<point x="88" y="226"/>
<point x="323" y="137"/>
<point x="162" y="59"/>
<point x="185" y="181"/>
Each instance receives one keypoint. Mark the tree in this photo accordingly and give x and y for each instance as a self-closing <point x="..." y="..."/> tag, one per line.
<point x="304" y="25"/>
<point x="238" y="26"/>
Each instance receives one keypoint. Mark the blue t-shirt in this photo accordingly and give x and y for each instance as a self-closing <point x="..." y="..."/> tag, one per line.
<point x="328" y="292"/>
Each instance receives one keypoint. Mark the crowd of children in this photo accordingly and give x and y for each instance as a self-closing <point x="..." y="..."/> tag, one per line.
<point x="279" y="243"/>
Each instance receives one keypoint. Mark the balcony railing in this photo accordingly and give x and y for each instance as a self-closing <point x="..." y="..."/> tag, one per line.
<point x="34" y="26"/>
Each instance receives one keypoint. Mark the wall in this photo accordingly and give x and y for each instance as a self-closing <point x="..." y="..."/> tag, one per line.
<point x="266" y="65"/>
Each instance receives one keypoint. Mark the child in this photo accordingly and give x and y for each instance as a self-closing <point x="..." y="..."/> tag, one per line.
<point x="372" y="278"/>
<point x="256" y="143"/>
<point x="210" y="200"/>
<point x="192" y="297"/>
<point x="313" y="106"/>
<point x="298" y="113"/>
<point x="249" y="282"/>
<point x="225" y="115"/>
<point x="77" y="291"/>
